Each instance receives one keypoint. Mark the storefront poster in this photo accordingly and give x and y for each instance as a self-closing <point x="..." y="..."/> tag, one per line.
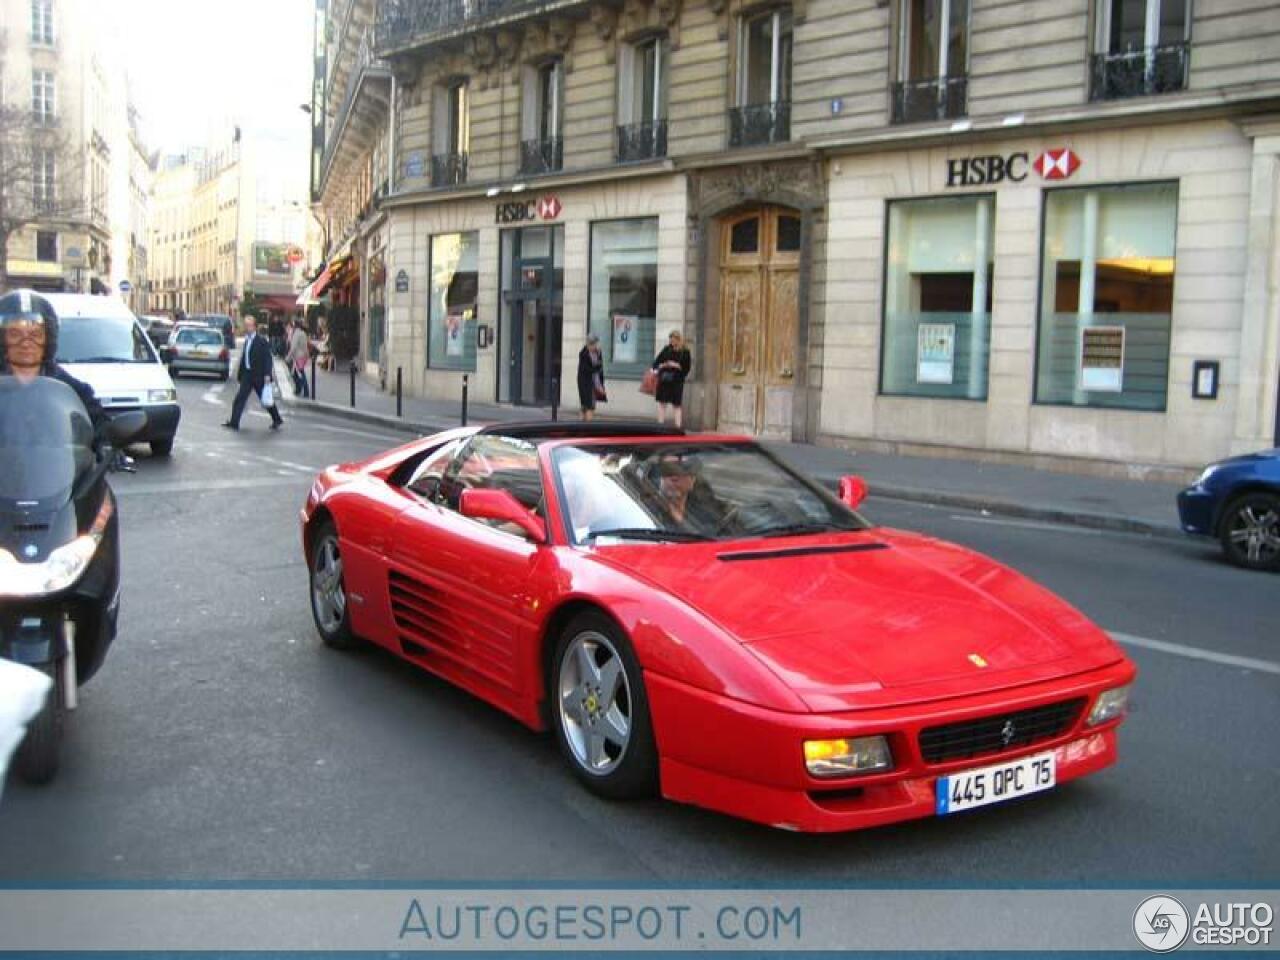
<point x="1102" y="359"/>
<point x="454" y="322"/>
<point x="936" y="353"/>
<point x="625" y="329"/>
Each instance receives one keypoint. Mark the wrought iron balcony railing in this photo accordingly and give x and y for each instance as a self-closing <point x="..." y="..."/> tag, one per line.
<point x="1139" y="73"/>
<point x="642" y="141"/>
<point x="760" y="123"/>
<point x="448" y="169"/>
<point x="938" y="98"/>
<point x="402" y="22"/>
<point x="541" y="156"/>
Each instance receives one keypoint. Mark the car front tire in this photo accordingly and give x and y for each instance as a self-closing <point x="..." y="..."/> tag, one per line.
<point x="600" y="711"/>
<point x="329" y="607"/>
<point x="1250" y="531"/>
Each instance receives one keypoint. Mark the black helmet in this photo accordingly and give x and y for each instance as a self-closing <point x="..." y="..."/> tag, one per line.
<point x="27" y="306"/>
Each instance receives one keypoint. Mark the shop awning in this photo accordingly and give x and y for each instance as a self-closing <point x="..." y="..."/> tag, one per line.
<point x="279" y="302"/>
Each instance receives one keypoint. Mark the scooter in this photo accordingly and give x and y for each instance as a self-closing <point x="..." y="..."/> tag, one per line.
<point x="59" y="549"/>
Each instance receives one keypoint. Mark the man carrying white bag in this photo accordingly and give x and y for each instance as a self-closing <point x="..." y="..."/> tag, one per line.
<point x="22" y="693"/>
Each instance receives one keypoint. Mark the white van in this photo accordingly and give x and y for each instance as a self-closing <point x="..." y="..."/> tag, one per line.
<point x="101" y="342"/>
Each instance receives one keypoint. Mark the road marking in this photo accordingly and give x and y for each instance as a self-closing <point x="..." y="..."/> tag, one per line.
<point x="1198" y="653"/>
<point x="205" y="486"/>
<point x="1029" y="525"/>
<point x="362" y="434"/>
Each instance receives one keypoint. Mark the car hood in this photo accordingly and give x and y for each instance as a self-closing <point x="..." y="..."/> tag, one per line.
<point x="877" y="617"/>
<point x="121" y="383"/>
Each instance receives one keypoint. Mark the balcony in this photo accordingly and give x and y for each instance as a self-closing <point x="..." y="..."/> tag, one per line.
<point x="760" y="123"/>
<point x="541" y="156"/>
<point x="642" y="141"/>
<point x="1139" y="73"/>
<point x="448" y="169"/>
<point x="408" y="23"/>
<point x="365" y="107"/>
<point x="938" y="98"/>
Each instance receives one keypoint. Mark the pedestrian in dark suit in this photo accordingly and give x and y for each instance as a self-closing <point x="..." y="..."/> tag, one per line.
<point x="256" y="366"/>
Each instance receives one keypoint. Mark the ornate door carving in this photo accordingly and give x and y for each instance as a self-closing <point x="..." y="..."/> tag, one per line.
<point x="759" y="310"/>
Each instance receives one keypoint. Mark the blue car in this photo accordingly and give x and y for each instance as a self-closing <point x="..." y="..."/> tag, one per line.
<point x="1238" y="502"/>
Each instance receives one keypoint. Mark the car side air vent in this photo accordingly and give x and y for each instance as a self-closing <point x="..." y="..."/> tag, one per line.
<point x="419" y="614"/>
<point x="800" y="551"/>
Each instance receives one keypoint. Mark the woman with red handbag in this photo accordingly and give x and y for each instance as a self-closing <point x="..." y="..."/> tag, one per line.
<point x="672" y="366"/>
<point x="591" y="377"/>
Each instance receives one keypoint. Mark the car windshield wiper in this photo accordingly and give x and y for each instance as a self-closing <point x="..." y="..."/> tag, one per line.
<point x="648" y="533"/>
<point x="799" y="529"/>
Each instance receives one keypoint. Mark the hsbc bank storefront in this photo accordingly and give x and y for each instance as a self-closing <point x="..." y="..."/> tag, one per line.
<point x="504" y="288"/>
<point x="1077" y="295"/>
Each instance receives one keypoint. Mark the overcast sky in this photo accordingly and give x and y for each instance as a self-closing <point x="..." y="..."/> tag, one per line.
<point x="199" y="66"/>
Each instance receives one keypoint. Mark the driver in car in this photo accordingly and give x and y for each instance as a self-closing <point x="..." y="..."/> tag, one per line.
<point x="30" y="344"/>
<point x="687" y="497"/>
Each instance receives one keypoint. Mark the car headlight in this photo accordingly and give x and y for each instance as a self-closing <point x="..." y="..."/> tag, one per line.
<point x="844" y="758"/>
<point x="1205" y="474"/>
<point x="61" y="569"/>
<point x="162" y="396"/>
<point x="1109" y="705"/>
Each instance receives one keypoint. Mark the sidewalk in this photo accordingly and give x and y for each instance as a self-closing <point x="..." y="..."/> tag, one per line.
<point x="1100" y="503"/>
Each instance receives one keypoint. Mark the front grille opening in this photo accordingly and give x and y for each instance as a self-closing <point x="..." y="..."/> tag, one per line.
<point x="987" y="736"/>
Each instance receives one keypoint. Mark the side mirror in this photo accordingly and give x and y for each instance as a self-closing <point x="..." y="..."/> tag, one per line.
<point x="853" y="490"/>
<point x="123" y="427"/>
<point x="502" y="506"/>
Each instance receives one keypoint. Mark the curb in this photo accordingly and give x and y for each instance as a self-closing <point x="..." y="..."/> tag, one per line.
<point x="1108" y="522"/>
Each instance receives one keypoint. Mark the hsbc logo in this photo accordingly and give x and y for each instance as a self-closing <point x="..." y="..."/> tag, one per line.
<point x="997" y="168"/>
<point x="1057" y="164"/>
<point x="520" y="211"/>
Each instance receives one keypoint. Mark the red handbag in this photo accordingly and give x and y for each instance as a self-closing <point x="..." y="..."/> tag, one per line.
<point x="649" y="385"/>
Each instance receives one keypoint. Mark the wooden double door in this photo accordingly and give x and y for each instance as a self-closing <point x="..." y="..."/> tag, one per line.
<point x="759" y="313"/>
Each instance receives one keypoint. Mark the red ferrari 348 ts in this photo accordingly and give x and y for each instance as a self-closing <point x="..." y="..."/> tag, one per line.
<point x="691" y="616"/>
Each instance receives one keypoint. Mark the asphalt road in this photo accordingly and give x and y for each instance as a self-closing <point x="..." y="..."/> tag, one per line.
<point x="221" y="742"/>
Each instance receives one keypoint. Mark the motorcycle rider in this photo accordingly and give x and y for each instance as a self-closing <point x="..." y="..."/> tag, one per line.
<point x="30" y="344"/>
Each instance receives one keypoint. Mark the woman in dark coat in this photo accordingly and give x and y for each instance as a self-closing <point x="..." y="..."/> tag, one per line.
<point x="591" y="377"/>
<point x="673" y="365"/>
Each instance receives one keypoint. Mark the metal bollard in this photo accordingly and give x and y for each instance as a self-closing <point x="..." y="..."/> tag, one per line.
<point x="399" y="394"/>
<point x="313" y="377"/>
<point x="353" y="384"/>
<point x="464" y="399"/>
<point x="555" y="399"/>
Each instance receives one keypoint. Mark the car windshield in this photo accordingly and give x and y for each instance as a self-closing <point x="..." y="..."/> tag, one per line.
<point x="46" y="440"/>
<point x="688" y="492"/>
<point x="102" y="340"/>
<point x="204" y="338"/>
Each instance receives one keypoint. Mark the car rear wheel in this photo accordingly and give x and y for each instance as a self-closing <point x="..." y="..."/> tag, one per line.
<point x="600" y="710"/>
<point x="329" y="592"/>
<point x="162" y="448"/>
<point x="1251" y="531"/>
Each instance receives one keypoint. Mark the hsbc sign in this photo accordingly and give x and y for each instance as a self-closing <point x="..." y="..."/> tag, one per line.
<point x="1058" y="164"/>
<point x="519" y="211"/>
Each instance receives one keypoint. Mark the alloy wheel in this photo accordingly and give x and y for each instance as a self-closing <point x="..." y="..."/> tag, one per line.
<point x="1254" y="532"/>
<point x="595" y="703"/>
<point x="327" y="592"/>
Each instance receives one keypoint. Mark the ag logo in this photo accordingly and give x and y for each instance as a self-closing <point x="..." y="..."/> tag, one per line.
<point x="1161" y="924"/>
<point x="1057" y="164"/>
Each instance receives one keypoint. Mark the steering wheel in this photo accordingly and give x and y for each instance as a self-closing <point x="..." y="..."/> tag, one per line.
<point x="747" y="518"/>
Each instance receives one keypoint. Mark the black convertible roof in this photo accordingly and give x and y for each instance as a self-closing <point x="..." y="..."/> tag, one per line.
<point x="567" y="430"/>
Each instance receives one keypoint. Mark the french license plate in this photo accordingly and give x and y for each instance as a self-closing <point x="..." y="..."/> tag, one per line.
<point x="1002" y="781"/>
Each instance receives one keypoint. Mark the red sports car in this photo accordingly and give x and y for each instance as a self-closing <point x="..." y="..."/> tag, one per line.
<point x="691" y="616"/>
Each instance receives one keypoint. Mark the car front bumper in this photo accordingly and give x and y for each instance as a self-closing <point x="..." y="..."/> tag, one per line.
<point x="747" y="761"/>
<point x="162" y="419"/>
<point x="1195" y="510"/>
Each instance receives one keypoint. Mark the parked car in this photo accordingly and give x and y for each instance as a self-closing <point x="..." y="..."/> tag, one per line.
<point x="692" y="617"/>
<point x="102" y="343"/>
<point x="195" y="348"/>
<point x="220" y="322"/>
<point x="158" y="329"/>
<point x="1237" y="501"/>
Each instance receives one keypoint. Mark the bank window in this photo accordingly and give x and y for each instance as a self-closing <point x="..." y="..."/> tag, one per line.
<point x="933" y="60"/>
<point x="763" y="113"/>
<point x="1141" y="48"/>
<point x="938" y="279"/>
<point x="451" y="315"/>
<point x="451" y="134"/>
<point x="541" y="149"/>
<point x="624" y="293"/>
<point x="1107" y="296"/>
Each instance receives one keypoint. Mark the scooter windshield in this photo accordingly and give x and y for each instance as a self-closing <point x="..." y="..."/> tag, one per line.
<point x="46" y="442"/>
